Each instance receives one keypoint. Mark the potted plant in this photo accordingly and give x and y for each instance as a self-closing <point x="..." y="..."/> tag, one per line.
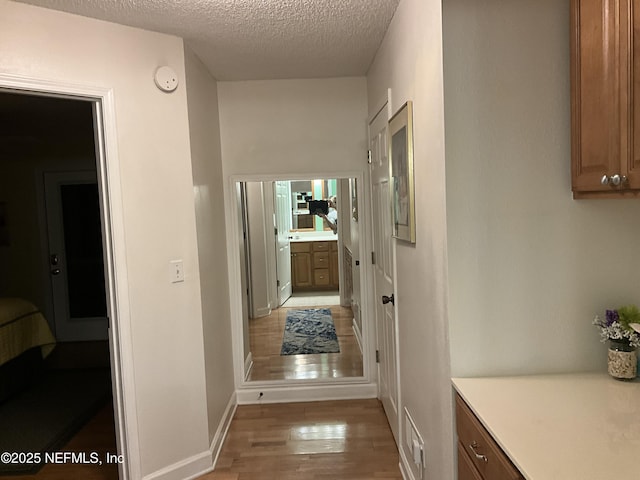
<point x="621" y="328"/>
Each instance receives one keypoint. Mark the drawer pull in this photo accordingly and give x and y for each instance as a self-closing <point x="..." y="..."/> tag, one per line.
<point x="473" y="447"/>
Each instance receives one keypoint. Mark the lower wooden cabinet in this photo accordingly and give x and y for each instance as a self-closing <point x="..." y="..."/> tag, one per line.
<point x="301" y="270"/>
<point x="479" y="456"/>
<point x="314" y="265"/>
<point x="466" y="470"/>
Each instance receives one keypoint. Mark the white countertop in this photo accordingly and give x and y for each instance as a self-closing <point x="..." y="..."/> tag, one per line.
<point x="313" y="237"/>
<point x="561" y="427"/>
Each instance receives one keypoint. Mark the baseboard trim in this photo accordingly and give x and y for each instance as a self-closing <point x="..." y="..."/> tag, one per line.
<point x="248" y="365"/>
<point x="358" y="335"/>
<point x="203" y="463"/>
<point x="262" y="312"/>
<point x="223" y="428"/>
<point x="299" y="393"/>
<point x="405" y="469"/>
<point x="189" y="468"/>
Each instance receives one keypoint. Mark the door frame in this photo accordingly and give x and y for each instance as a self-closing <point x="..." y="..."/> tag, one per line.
<point x="308" y="389"/>
<point x="50" y="205"/>
<point x="111" y="212"/>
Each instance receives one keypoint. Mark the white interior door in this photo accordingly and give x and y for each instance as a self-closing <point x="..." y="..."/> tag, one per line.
<point x="383" y="269"/>
<point x="282" y="194"/>
<point x="76" y="262"/>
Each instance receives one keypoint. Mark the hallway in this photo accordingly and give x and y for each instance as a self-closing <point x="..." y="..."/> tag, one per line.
<point x="269" y="364"/>
<point x="346" y="439"/>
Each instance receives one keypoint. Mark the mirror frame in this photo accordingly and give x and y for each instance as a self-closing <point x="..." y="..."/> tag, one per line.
<point x="340" y="387"/>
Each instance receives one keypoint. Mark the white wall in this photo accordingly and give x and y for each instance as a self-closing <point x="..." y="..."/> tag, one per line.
<point x="529" y="267"/>
<point x="293" y="126"/>
<point x="409" y="62"/>
<point x="156" y="184"/>
<point x="261" y="282"/>
<point x="204" y="130"/>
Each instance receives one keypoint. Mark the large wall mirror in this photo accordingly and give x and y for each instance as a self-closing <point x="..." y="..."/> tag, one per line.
<point x="303" y="192"/>
<point x="302" y="312"/>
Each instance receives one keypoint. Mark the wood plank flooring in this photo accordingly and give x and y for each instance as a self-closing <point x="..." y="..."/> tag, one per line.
<point x="347" y="439"/>
<point x="266" y="342"/>
<point x="98" y="435"/>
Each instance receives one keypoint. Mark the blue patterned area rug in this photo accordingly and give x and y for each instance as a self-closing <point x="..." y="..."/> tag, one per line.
<point x="309" y="331"/>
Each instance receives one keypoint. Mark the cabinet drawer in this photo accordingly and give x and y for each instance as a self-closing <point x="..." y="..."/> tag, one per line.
<point x="321" y="276"/>
<point x="484" y="452"/>
<point x="320" y="246"/>
<point x="298" y="247"/>
<point x="321" y="260"/>
<point x="466" y="470"/>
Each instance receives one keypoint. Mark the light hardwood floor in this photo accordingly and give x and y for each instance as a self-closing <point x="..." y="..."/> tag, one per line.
<point x="266" y="341"/>
<point x="346" y="439"/>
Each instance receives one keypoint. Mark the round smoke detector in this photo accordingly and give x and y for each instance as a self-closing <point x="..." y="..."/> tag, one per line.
<point x="166" y="79"/>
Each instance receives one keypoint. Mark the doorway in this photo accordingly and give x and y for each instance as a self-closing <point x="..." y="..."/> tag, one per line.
<point x="75" y="255"/>
<point x="46" y="258"/>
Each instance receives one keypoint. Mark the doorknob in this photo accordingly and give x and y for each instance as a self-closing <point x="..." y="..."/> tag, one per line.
<point x="390" y="299"/>
<point x="55" y="271"/>
<point x="53" y="259"/>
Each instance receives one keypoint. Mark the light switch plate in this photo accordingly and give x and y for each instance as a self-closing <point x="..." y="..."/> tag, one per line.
<point x="176" y="272"/>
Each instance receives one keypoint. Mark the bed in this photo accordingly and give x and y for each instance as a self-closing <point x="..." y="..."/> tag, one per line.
<point x="25" y="339"/>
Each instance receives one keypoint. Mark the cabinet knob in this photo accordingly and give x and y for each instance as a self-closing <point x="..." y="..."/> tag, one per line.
<point x="613" y="180"/>
<point x="479" y="456"/>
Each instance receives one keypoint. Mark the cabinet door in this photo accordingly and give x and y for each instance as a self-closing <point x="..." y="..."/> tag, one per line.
<point x="598" y="100"/>
<point x="631" y="166"/>
<point x="301" y="267"/>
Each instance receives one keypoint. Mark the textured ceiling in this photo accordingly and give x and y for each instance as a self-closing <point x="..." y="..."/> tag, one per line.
<point x="258" y="39"/>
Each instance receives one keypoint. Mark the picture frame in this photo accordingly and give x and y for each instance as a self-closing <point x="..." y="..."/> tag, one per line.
<point x="354" y="198"/>
<point x="400" y="141"/>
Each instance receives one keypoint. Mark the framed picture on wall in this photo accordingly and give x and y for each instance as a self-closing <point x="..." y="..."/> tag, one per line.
<point x="401" y="173"/>
<point x="354" y="198"/>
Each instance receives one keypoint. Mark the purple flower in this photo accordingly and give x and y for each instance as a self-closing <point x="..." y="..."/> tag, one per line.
<point x="612" y="317"/>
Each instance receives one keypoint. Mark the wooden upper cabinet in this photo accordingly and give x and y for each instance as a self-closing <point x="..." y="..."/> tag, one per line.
<point x="604" y="109"/>
<point x="633" y="159"/>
